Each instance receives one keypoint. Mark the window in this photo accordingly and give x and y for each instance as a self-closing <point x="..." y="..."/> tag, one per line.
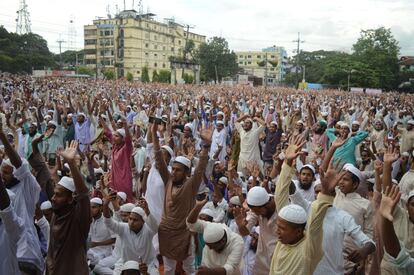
<point x="249" y="56"/>
<point x="272" y="56"/>
<point x="90" y="42"/>
<point x="249" y="62"/>
<point x="172" y="49"/>
<point x="121" y="43"/>
<point x="155" y="55"/>
<point x="241" y="62"/>
<point x="179" y="42"/>
<point x="155" y="47"/>
<point x="163" y="48"/>
<point x="146" y="54"/>
<point x="259" y="56"/>
<point x="89" y="51"/>
<point x="146" y="45"/>
<point x="163" y="65"/>
<point x="155" y="37"/>
<point x="240" y="56"/>
<point x="90" y="61"/>
<point x="121" y="33"/>
<point x="155" y="64"/>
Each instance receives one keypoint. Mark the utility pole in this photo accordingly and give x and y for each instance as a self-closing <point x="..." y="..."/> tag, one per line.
<point x="60" y="52"/>
<point x="185" y="47"/>
<point x="298" y="41"/>
<point x="265" y="71"/>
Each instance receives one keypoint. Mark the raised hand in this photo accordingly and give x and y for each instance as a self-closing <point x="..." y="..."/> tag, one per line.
<point x="70" y="152"/>
<point x="207" y="134"/>
<point x="240" y="216"/>
<point x="389" y="201"/>
<point x="338" y="142"/>
<point x="144" y="205"/>
<point x="294" y="150"/>
<point x="331" y="178"/>
<point x="390" y="155"/>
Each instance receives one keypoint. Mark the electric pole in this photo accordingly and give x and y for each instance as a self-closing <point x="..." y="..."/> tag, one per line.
<point x="185" y="47"/>
<point x="60" y="52"/>
<point x="266" y="70"/>
<point x="298" y="41"/>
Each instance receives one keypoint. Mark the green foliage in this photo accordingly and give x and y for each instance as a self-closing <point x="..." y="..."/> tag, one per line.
<point x="21" y="53"/>
<point x="109" y="74"/>
<point x="145" y="75"/>
<point x="188" y="78"/>
<point x="129" y="77"/>
<point x="273" y="63"/>
<point x="154" y="76"/>
<point x="164" y="76"/>
<point x="261" y="63"/>
<point x="69" y="58"/>
<point x="86" y="70"/>
<point x="216" y="60"/>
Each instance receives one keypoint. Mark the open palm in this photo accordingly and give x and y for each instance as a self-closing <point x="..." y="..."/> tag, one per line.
<point x="206" y="134"/>
<point x="70" y="152"/>
<point x="389" y="201"/>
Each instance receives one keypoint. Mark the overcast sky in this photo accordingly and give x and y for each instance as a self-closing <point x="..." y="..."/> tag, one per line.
<point x="247" y="25"/>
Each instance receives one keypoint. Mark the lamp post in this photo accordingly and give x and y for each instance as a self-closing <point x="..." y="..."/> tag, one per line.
<point x="349" y="77"/>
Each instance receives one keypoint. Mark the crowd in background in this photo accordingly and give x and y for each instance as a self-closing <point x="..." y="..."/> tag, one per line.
<point x="117" y="177"/>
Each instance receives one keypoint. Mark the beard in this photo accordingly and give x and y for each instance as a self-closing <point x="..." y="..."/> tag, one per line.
<point x="230" y="215"/>
<point x="305" y="186"/>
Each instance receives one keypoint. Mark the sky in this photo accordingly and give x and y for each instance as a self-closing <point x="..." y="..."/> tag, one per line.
<point x="247" y="25"/>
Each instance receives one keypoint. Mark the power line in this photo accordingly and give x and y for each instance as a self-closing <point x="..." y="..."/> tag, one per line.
<point x="298" y="41"/>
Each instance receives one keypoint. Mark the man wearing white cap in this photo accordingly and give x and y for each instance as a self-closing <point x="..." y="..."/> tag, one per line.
<point x="31" y="134"/>
<point x="53" y="139"/>
<point x="70" y="222"/>
<point x="407" y="136"/>
<point x="121" y="197"/>
<point x="12" y="229"/>
<point x="403" y="223"/>
<point x="297" y="252"/>
<point x="134" y="268"/>
<point x="360" y="208"/>
<point x="218" y="206"/>
<point x="223" y="250"/>
<point x="249" y="141"/>
<point x="82" y="131"/>
<point x="121" y="171"/>
<point x="101" y="239"/>
<point x="218" y="143"/>
<point x="180" y="191"/>
<point x="106" y="265"/>
<point x="47" y="211"/>
<point x="136" y="236"/>
<point x="17" y="177"/>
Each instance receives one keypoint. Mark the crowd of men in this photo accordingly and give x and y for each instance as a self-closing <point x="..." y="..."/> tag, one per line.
<point x="116" y="177"/>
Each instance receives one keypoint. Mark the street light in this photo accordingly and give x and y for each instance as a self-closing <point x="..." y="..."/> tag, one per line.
<point x="349" y="76"/>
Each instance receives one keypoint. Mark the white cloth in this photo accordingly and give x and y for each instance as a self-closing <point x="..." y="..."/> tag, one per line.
<point x="249" y="146"/>
<point x="44" y="228"/>
<point x="99" y="232"/>
<point x="229" y="258"/>
<point x="404" y="263"/>
<point x="106" y="265"/>
<point x="27" y="194"/>
<point x="309" y="194"/>
<point x="135" y="245"/>
<point x="219" y="210"/>
<point x="11" y="230"/>
<point x="218" y="139"/>
<point x="249" y="258"/>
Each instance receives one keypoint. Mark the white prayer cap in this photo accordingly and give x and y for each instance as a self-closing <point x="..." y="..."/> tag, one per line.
<point x="248" y="120"/>
<point x="98" y="171"/>
<point x="46" y="205"/>
<point x="203" y="190"/>
<point x="127" y="207"/>
<point x="122" y="195"/>
<point x="410" y="195"/>
<point x="47" y="117"/>
<point x="344" y="124"/>
<point x="353" y="170"/>
<point x="220" y="122"/>
<point x="130" y="265"/>
<point x="356" y="122"/>
<point x="139" y="211"/>
<point x="272" y="107"/>
<point x="67" y="183"/>
<point x="121" y="132"/>
<point x="189" y="125"/>
<point x="274" y="123"/>
<point x="184" y="161"/>
<point x="50" y="111"/>
<point x="220" y="113"/>
<point x="410" y="122"/>
<point x="81" y="114"/>
<point x="371" y="180"/>
<point x="394" y="181"/>
<point x="53" y="123"/>
<point x="299" y="122"/>
<point x="309" y="166"/>
<point x="213" y="232"/>
<point x="33" y="124"/>
<point x="129" y="106"/>
<point x="104" y="116"/>
<point x="207" y="212"/>
<point x="324" y="114"/>
<point x="96" y="200"/>
<point x="235" y="200"/>
<point x="244" y="190"/>
<point x="217" y="162"/>
<point x="293" y="213"/>
<point x="405" y="154"/>
<point x="240" y="174"/>
<point x="168" y="149"/>
<point x="223" y="180"/>
<point x="257" y="196"/>
<point x="257" y="230"/>
<point x="71" y="115"/>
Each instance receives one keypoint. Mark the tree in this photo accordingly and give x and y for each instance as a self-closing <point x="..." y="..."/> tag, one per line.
<point x="145" y="75"/>
<point x="154" y="76"/>
<point x="216" y="60"/>
<point x="188" y="79"/>
<point x="109" y="74"/>
<point x="378" y="49"/>
<point x="129" y="76"/>
<point x="164" y="76"/>
<point x="86" y="70"/>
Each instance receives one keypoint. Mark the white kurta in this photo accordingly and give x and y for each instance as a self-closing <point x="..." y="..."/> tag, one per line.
<point x="218" y="139"/>
<point x="249" y="146"/>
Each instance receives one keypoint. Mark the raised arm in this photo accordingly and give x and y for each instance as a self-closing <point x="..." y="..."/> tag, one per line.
<point x="69" y="155"/>
<point x="159" y="160"/>
<point x="8" y="148"/>
<point x="389" y="158"/>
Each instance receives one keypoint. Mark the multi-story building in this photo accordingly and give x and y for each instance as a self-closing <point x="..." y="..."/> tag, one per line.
<point x="268" y="64"/>
<point x="131" y="41"/>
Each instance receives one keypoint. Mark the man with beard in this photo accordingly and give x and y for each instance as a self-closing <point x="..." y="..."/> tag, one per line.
<point x="82" y="131"/>
<point x="272" y="139"/>
<point x="218" y="145"/>
<point x="319" y="141"/>
<point x="378" y="134"/>
<point x="407" y="137"/>
<point x="15" y="172"/>
<point x="70" y="129"/>
<point x="31" y="134"/>
<point x="231" y="222"/>
<point x="305" y="184"/>
<point x="70" y="222"/>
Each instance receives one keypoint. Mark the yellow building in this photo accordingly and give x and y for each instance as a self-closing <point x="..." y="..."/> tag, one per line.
<point x="130" y="41"/>
<point x="267" y="64"/>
